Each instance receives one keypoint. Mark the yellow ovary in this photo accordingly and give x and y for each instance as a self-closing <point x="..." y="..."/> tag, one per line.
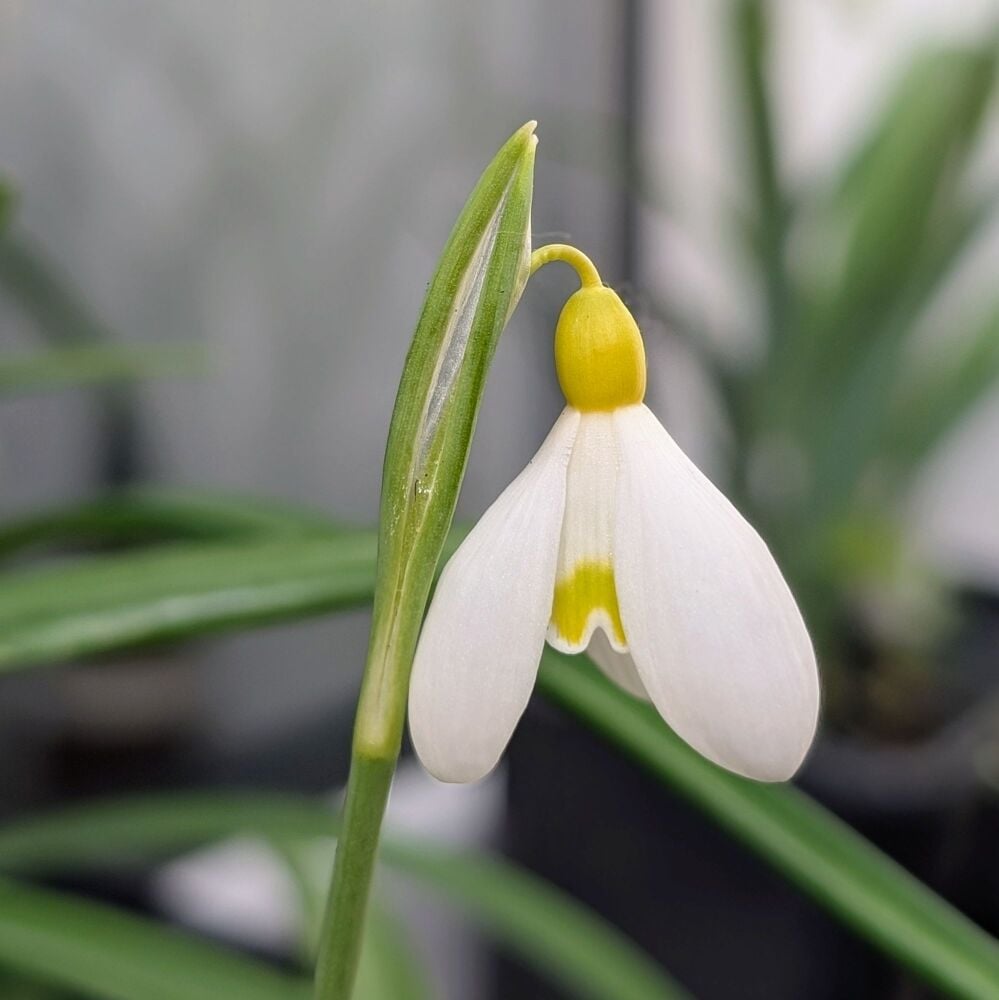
<point x="599" y="354"/>
<point x="584" y="599"/>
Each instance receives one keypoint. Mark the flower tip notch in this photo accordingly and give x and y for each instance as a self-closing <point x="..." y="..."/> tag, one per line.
<point x="528" y="132"/>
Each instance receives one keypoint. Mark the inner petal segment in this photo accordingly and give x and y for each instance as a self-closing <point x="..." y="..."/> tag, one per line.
<point x="585" y="596"/>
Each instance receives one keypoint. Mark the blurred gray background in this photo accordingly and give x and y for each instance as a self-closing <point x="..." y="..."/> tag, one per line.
<point x="277" y="181"/>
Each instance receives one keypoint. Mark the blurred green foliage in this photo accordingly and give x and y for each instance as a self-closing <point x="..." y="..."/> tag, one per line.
<point x="114" y="601"/>
<point x="561" y="938"/>
<point x="858" y="381"/>
<point x="82" y="349"/>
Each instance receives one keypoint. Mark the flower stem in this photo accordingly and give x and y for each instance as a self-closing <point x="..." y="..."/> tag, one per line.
<point x="378" y="728"/>
<point x="576" y="259"/>
<point x="381" y="714"/>
<point x="346" y="906"/>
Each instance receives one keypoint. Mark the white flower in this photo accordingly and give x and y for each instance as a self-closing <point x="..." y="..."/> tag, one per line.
<point x="613" y="542"/>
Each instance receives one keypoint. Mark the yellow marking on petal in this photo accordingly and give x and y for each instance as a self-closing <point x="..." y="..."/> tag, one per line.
<point x="590" y="589"/>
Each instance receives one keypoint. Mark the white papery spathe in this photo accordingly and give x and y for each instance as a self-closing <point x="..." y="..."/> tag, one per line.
<point x="715" y="639"/>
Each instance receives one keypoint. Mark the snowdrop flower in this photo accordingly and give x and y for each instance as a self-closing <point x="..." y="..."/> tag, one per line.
<point x="613" y="542"/>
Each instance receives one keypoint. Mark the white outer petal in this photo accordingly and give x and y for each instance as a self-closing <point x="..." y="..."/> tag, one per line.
<point x="481" y="643"/>
<point x="713" y="628"/>
<point x="619" y="667"/>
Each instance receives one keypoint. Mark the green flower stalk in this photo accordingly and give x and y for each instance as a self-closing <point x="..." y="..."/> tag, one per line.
<point x="476" y="287"/>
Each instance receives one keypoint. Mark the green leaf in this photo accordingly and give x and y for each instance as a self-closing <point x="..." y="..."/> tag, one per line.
<point x="535" y="920"/>
<point x="752" y="32"/>
<point x="160" y="515"/>
<point x="811" y="847"/>
<point x="57" y="309"/>
<point x="899" y="191"/>
<point x="17" y="987"/>
<point x="110" y="602"/>
<point x="914" y="157"/>
<point x="97" y="364"/>
<point x="105" y="603"/>
<point x="933" y="400"/>
<point x="311" y="897"/>
<point x="111" y="955"/>
<point x="132" y="831"/>
<point x="572" y="944"/>
<point x="8" y="199"/>
<point x="388" y="970"/>
<point x="853" y="434"/>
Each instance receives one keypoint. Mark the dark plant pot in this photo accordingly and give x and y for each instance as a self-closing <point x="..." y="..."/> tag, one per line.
<point x="720" y="920"/>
